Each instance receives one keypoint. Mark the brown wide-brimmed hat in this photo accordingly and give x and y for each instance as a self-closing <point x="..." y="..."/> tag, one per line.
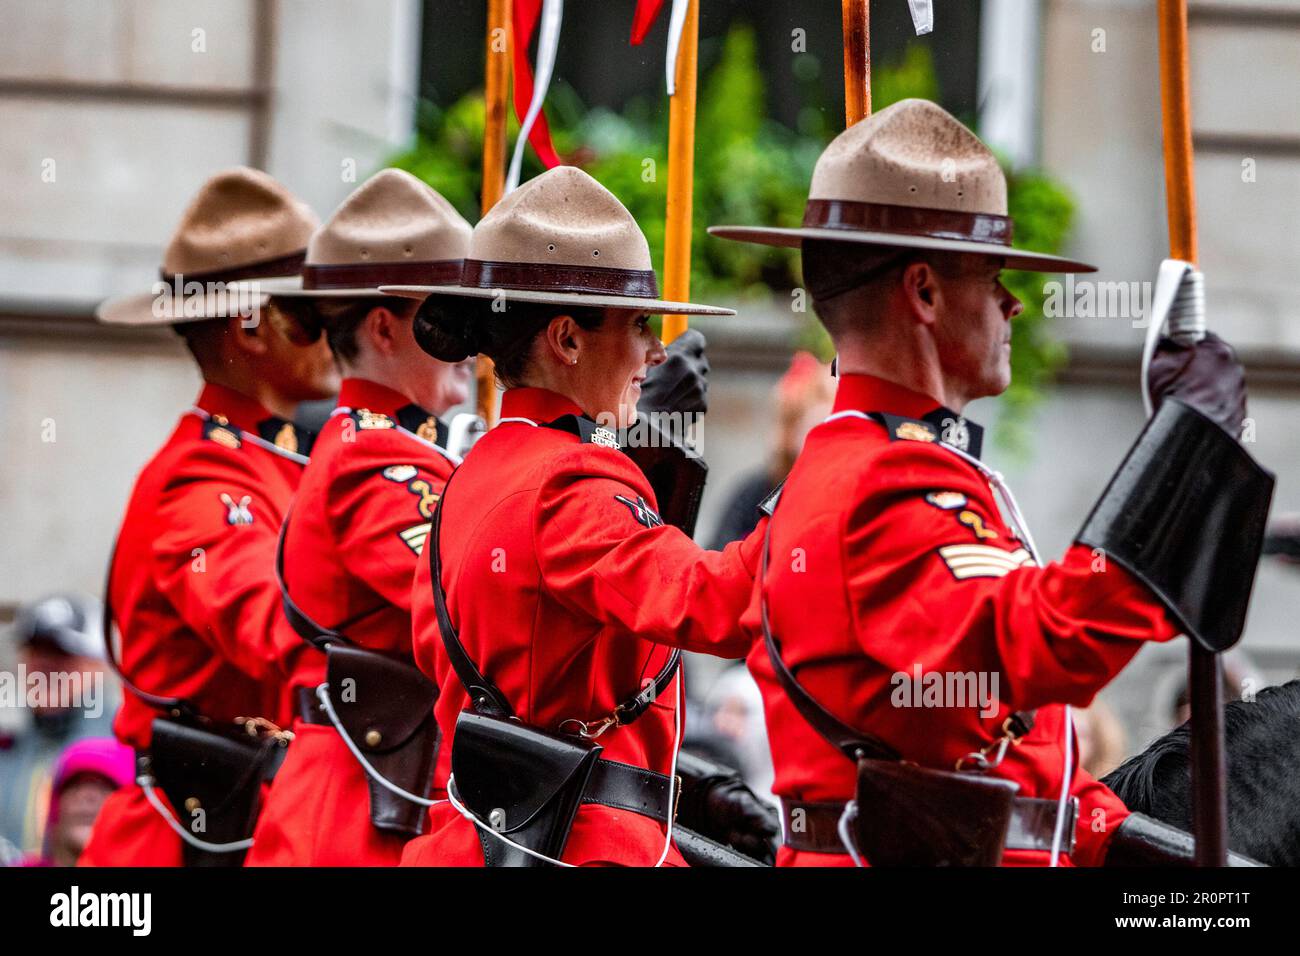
<point x="560" y="239"/>
<point x="911" y="177"/>
<point x="394" y="228"/>
<point x="242" y="225"/>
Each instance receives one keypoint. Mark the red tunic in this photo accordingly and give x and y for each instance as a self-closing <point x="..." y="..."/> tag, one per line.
<point x="893" y="555"/>
<point x="194" y="595"/>
<point x="567" y="598"/>
<point x="359" y="522"/>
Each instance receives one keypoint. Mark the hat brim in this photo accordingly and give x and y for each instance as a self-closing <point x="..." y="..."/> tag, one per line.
<point x="793" y="238"/>
<point x="573" y="299"/>
<point x="291" y="288"/>
<point x="148" y="308"/>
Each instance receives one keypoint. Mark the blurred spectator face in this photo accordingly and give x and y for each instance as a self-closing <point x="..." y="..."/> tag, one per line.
<point x="734" y="709"/>
<point x="1100" y="737"/>
<point x="42" y="657"/>
<point x="77" y="806"/>
<point x="804" y="397"/>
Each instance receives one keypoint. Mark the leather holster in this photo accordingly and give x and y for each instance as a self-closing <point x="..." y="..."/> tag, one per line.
<point x="915" y="816"/>
<point x="523" y="783"/>
<point x="386" y="707"/>
<point x="213" y="777"/>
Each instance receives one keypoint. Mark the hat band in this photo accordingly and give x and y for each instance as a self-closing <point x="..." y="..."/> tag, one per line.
<point x="908" y="220"/>
<point x="371" y="275"/>
<point x="539" y="277"/>
<point x="268" y="268"/>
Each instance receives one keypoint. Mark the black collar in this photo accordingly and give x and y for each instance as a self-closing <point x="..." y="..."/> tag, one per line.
<point x="285" y="435"/>
<point x="941" y="425"/>
<point x="423" y="423"/>
<point x="957" y="431"/>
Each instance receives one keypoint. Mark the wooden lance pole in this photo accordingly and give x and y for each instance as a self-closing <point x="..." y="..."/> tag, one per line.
<point x="1205" y="668"/>
<point x="496" y="94"/>
<point x="857" y="61"/>
<point x="681" y="174"/>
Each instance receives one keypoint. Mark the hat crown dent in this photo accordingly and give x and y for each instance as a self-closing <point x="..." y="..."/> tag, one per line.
<point x="912" y="153"/>
<point x="239" y="217"/>
<point x="563" y="217"/>
<point x="391" y="217"/>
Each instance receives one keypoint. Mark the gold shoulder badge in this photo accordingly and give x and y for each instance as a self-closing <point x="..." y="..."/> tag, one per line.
<point x="428" y="430"/>
<point x="286" y="439"/>
<point x="914" y="431"/>
<point x="219" y="430"/>
<point x="973" y="521"/>
<point x="370" y="420"/>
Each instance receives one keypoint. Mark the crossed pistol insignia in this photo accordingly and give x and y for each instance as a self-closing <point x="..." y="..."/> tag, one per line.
<point x="643" y="513"/>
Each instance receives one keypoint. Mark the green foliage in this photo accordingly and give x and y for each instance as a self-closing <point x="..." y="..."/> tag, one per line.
<point x="1043" y="212"/>
<point x="749" y="169"/>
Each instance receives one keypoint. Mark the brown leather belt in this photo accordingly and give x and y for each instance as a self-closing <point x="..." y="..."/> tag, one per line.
<point x="612" y="784"/>
<point x="308" y="709"/>
<point x="813" y="827"/>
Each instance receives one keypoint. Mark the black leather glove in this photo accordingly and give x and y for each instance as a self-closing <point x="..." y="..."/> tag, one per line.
<point x="680" y="384"/>
<point x="1206" y="376"/>
<point x="716" y="803"/>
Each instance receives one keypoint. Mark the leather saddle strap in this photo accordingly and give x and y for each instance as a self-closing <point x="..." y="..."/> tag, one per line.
<point x="485" y="696"/>
<point x="173" y="706"/>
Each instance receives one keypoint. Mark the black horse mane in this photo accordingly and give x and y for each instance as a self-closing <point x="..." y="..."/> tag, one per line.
<point x="1263" y="758"/>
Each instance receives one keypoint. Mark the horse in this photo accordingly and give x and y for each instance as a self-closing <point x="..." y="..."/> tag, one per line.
<point x="1262" y="752"/>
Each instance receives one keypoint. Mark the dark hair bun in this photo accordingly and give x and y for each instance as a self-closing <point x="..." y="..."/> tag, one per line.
<point x="447" y="330"/>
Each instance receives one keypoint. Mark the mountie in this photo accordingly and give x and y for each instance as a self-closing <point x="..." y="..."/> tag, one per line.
<point x="103" y="909"/>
